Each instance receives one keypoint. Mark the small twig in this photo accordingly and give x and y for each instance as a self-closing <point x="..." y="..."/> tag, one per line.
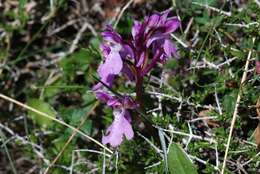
<point x="202" y="161"/>
<point x="217" y="101"/>
<point x="242" y="25"/>
<point x="213" y="9"/>
<point x="247" y="162"/>
<point x="32" y="170"/>
<point x="207" y="64"/>
<point x="210" y="140"/>
<point x="211" y="65"/>
<point x="117" y="157"/>
<point x="79" y="34"/>
<point x="257" y="2"/>
<point x="153" y="165"/>
<point x="236" y="109"/>
<point x="122" y="12"/>
<point x="92" y="151"/>
<point x="228" y="61"/>
<point x="59" y="29"/>
<point x="72" y="162"/>
<point x="195" y="38"/>
<point x="217" y="158"/>
<point x="178" y="113"/>
<point x="189" y="25"/>
<point x="104" y="163"/>
<point x="218" y="36"/>
<point x="190" y="137"/>
<point x="202" y="118"/>
<point x="181" y="42"/>
<point x="181" y="100"/>
<point x="159" y="151"/>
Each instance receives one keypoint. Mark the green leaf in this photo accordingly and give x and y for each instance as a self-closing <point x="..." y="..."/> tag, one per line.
<point x="22" y="4"/>
<point x="87" y="127"/>
<point x="53" y="89"/>
<point x="78" y="61"/>
<point x="229" y="102"/>
<point x="178" y="162"/>
<point x="23" y="16"/>
<point x="43" y="107"/>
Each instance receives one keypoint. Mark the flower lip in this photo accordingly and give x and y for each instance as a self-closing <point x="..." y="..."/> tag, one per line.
<point x="119" y="129"/>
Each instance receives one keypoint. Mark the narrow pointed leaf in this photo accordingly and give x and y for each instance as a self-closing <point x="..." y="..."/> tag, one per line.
<point x="178" y="162"/>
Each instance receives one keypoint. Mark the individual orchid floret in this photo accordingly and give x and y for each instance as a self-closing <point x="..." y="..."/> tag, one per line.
<point x="114" y="51"/>
<point x="121" y="126"/>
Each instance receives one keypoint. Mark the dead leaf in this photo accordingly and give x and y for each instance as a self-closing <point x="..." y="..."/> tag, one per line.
<point x="257" y="136"/>
<point x="206" y="113"/>
<point x="139" y="2"/>
<point x="257" y="130"/>
<point x="258" y="107"/>
<point x="112" y="8"/>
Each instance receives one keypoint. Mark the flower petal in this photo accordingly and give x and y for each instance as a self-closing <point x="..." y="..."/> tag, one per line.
<point x="118" y="129"/>
<point x="127" y="51"/>
<point x="103" y="96"/>
<point x="171" y="25"/>
<point x="114" y="102"/>
<point x="169" y="48"/>
<point x="141" y="59"/>
<point x="111" y="35"/>
<point x="163" y="18"/>
<point x="127" y="71"/>
<point x="155" y="37"/>
<point x="105" y="50"/>
<point x="153" y="20"/>
<point x="112" y="66"/>
<point x="136" y="29"/>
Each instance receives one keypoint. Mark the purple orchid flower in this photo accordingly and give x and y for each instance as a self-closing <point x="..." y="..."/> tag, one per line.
<point x="150" y="44"/>
<point x="121" y="125"/>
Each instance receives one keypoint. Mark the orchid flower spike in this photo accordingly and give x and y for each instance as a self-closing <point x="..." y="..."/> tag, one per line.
<point x="134" y="58"/>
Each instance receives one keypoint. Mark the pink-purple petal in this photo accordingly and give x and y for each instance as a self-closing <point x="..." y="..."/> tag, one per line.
<point x="169" y="48"/>
<point x="153" y="20"/>
<point x="103" y="96"/>
<point x="163" y="17"/>
<point x="171" y="25"/>
<point x="105" y="50"/>
<point x="136" y="28"/>
<point x="111" y="35"/>
<point x="141" y="59"/>
<point x="127" y="71"/>
<point x="112" y="65"/>
<point x="118" y="129"/>
<point x="153" y="38"/>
